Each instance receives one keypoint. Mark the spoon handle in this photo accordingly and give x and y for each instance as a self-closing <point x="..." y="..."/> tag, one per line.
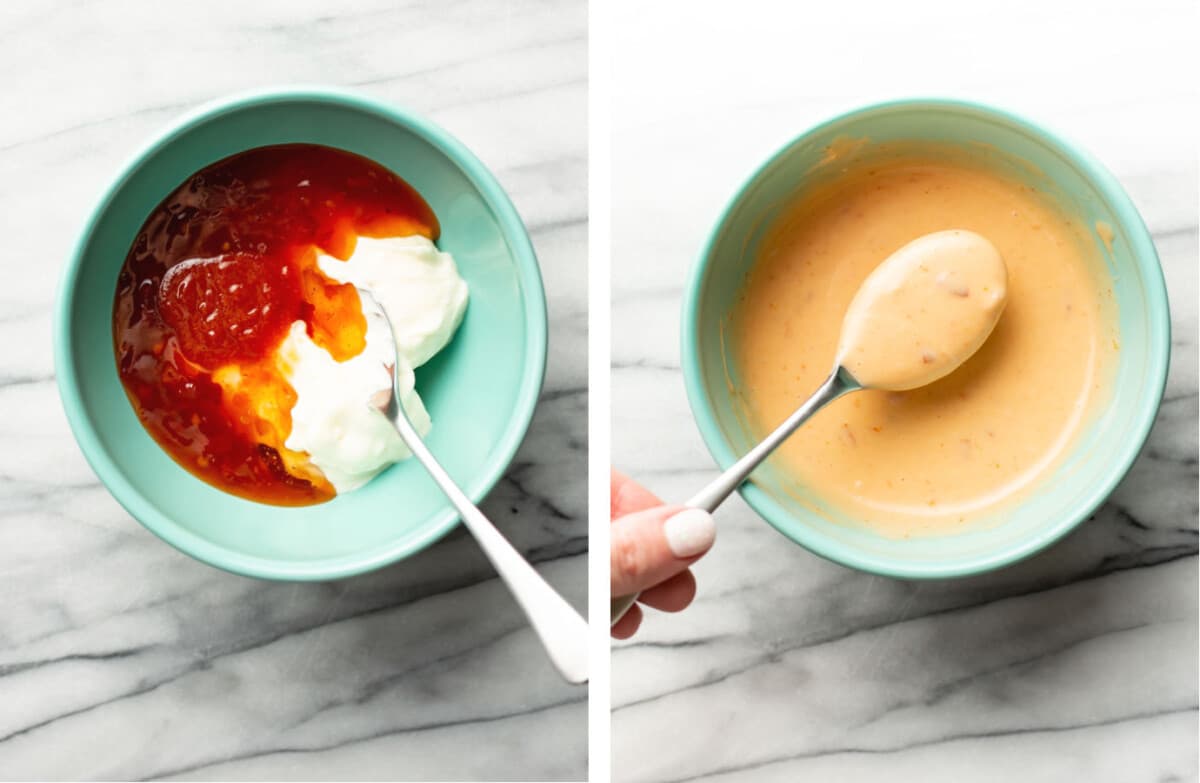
<point x="563" y="631"/>
<point x="838" y="383"/>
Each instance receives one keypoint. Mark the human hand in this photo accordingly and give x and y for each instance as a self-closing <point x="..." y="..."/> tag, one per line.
<point x="652" y="546"/>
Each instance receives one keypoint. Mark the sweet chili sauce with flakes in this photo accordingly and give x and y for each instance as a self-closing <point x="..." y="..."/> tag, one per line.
<point x="217" y="275"/>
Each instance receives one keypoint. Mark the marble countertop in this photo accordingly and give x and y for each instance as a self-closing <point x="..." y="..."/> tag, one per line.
<point x="123" y="659"/>
<point x="1079" y="664"/>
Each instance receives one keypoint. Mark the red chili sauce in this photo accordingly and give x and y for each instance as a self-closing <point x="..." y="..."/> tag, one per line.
<point x="217" y="275"/>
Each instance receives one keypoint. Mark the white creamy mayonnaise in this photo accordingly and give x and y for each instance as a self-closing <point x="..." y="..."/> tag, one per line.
<point x="419" y="288"/>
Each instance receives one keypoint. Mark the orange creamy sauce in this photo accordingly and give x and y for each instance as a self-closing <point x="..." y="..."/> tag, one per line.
<point x="924" y="311"/>
<point x="934" y="458"/>
<point x="216" y="276"/>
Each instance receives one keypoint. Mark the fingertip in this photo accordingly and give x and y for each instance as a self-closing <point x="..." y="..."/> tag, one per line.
<point x="628" y="624"/>
<point x="690" y="533"/>
<point x="646" y="547"/>
<point x="673" y="595"/>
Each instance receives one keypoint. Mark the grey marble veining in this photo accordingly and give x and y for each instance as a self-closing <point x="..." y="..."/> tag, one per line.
<point x="123" y="659"/>
<point x="1079" y="664"/>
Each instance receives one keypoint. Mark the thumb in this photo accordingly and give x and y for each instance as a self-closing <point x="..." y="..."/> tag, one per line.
<point x="651" y="546"/>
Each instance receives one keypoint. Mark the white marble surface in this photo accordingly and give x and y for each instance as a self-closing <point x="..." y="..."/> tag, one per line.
<point x="1077" y="665"/>
<point x="122" y="659"/>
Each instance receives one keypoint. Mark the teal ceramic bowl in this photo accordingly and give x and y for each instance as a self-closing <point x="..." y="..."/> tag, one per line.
<point x="1102" y="454"/>
<point x="481" y="390"/>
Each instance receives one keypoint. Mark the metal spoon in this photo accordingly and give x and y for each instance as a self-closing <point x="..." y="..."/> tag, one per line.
<point x="838" y="383"/>
<point x="562" y="630"/>
<point x="911" y="322"/>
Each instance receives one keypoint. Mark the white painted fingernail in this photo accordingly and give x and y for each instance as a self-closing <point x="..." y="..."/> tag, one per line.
<point x="690" y="532"/>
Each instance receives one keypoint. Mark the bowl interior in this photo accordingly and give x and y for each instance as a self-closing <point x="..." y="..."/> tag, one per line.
<point x="1100" y="456"/>
<point x="480" y="390"/>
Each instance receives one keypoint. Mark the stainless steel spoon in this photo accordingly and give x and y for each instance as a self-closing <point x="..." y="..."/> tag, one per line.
<point x="562" y="630"/>
<point x="912" y="321"/>
<point x="838" y="383"/>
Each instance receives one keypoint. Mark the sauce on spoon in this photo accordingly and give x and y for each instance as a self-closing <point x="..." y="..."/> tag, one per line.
<point x="924" y="311"/>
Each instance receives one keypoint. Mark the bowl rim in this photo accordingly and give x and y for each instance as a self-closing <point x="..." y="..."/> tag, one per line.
<point x="149" y="516"/>
<point x="1159" y="328"/>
